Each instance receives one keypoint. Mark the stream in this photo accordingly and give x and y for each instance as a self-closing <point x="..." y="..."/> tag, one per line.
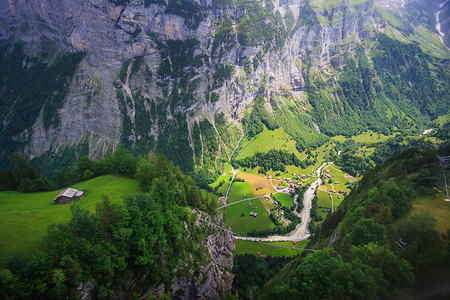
<point x="301" y="231"/>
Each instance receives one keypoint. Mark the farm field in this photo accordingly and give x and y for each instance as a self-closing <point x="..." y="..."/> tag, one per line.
<point x="244" y="224"/>
<point x="285" y="199"/>
<point x="323" y="201"/>
<point x="24" y="217"/>
<point x="238" y="190"/>
<point x="244" y="247"/>
<point x="260" y="185"/>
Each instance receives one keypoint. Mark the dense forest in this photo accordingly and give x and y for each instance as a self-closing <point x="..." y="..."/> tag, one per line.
<point x="273" y="159"/>
<point x="122" y="247"/>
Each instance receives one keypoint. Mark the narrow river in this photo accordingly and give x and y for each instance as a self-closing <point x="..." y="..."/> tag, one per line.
<point x="301" y="231"/>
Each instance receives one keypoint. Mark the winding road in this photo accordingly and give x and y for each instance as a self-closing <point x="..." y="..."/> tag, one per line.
<point x="301" y="231"/>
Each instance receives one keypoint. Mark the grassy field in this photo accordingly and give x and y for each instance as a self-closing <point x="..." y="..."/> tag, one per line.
<point x="238" y="190"/>
<point x="340" y="177"/>
<point x="337" y="201"/>
<point x="244" y="247"/>
<point x="267" y="140"/>
<point x="441" y="120"/>
<point x="24" y="217"/>
<point x="285" y="199"/>
<point x="368" y="137"/>
<point x="244" y="224"/>
<point x="260" y="185"/>
<point x="436" y="205"/>
<point x="323" y="201"/>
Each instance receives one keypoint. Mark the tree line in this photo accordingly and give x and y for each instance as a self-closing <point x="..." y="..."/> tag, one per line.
<point x="276" y="160"/>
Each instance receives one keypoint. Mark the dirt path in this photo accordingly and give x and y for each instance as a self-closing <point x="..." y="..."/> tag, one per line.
<point x="301" y="231"/>
<point x="242" y="200"/>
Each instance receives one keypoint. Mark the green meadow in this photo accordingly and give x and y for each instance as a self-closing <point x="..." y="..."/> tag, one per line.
<point x="285" y="199"/>
<point x="238" y="190"/>
<point x="337" y="201"/>
<point x="244" y="247"/>
<point x="24" y="217"/>
<point x="267" y="140"/>
<point x="368" y="137"/>
<point x="323" y="201"/>
<point x="244" y="224"/>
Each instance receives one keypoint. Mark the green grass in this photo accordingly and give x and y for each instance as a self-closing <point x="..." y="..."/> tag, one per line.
<point x="245" y="224"/>
<point x="441" y="120"/>
<point x="436" y="205"/>
<point x="267" y="140"/>
<point x="285" y="199"/>
<point x="338" y="176"/>
<point x="323" y="201"/>
<point x="238" y="190"/>
<point x="370" y="137"/>
<point x="339" y="138"/>
<point x="24" y="217"/>
<point x="337" y="201"/>
<point x="244" y="247"/>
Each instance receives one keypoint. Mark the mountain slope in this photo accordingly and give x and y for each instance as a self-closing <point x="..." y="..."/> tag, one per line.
<point x="172" y="76"/>
<point x="384" y="233"/>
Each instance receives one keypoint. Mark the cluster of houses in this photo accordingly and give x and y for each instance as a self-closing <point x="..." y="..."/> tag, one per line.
<point x="68" y="195"/>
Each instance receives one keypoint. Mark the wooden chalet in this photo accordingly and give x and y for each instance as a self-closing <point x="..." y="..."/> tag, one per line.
<point x="68" y="196"/>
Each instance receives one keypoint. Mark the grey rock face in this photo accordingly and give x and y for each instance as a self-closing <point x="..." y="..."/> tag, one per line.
<point x="112" y="34"/>
<point x="215" y="278"/>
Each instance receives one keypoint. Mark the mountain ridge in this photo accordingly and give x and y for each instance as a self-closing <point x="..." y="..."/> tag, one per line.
<point x="165" y="68"/>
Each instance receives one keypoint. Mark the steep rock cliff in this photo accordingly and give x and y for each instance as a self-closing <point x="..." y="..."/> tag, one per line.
<point x="171" y="76"/>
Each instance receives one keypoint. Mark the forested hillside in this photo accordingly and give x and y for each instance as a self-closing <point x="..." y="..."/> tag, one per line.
<point x="375" y="245"/>
<point x="149" y="243"/>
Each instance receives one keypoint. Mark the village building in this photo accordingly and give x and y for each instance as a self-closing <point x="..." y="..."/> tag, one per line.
<point x="222" y="200"/>
<point x="253" y="214"/>
<point x="267" y="196"/>
<point x="269" y="177"/>
<point x="68" y="196"/>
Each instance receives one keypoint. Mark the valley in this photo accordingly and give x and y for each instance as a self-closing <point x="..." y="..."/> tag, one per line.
<point x="235" y="149"/>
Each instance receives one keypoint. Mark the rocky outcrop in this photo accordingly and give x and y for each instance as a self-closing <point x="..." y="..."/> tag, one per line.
<point x="215" y="278"/>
